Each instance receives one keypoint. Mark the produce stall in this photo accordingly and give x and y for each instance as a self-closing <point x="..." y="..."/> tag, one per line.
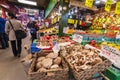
<point x="88" y="47"/>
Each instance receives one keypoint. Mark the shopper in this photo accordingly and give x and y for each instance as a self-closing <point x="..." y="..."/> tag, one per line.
<point x="16" y="44"/>
<point x="30" y="24"/>
<point x="33" y="31"/>
<point x="3" y="36"/>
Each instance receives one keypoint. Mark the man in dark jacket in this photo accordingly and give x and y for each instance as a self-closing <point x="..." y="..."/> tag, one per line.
<point x="3" y="36"/>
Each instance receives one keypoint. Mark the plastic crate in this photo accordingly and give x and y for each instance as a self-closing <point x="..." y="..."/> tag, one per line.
<point x="34" y="49"/>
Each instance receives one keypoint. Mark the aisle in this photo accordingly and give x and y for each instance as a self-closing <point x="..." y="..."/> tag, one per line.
<point x="10" y="67"/>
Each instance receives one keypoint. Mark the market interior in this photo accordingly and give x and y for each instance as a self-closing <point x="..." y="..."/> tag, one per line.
<point x="59" y="40"/>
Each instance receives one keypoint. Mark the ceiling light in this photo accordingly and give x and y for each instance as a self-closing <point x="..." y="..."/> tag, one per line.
<point x="97" y="2"/>
<point x="28" y="2"/>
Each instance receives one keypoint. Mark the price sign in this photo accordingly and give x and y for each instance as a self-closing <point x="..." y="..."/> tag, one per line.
<point x="89" y="3"/>
<point x="108" y="6"/>
<point x="112" y="54"/>
<point x="71" y="21"/>
<point x="78" y="38"/>
<point x="65" y="30"/>
<point x="56" y="48"/>
<point x="117" y="9"/>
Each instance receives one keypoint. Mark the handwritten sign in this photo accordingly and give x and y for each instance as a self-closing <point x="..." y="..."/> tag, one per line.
<point x="112" y="54"/>
<point x="117" y="9"/>
<point x="78" y="38"/>
<point x="89" y="3"/>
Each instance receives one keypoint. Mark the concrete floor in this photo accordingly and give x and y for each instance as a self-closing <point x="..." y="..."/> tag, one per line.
<point x="10" y="67"/>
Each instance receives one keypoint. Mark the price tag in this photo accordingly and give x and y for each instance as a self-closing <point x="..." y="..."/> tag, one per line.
<point x="112" y="54"/>
<point x="117" y="9"/>
<point x="108" y="6"/>
<point x="56" y="48"/>
<point x="78" y="38"/>
<point x="89" y="3"/>
<point x="65" y="30"/>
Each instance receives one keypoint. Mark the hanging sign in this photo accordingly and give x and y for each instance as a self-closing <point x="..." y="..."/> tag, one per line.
<point x="108" y="6"/>
<point x="78" y="38"/>
<point x="71" y="21"/>
<point x="112" y="54"/>
<point x="89" y="3"/>
<point x="117" y="9"/>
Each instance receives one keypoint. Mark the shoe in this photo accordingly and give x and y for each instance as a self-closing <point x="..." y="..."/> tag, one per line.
<point x="18" y="55"/>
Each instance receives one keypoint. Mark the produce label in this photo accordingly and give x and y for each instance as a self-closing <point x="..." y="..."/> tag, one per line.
<point x="89" y="3"/>
<point x="65" y="30"/>
<point x="78" y="38"/>
<point x="56" y="47"/>
<point x="112" y="54"/>
<point x="108" y="6"/>
<point x="117" y="9"/>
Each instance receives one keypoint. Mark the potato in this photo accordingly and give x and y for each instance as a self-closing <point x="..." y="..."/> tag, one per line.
<point x="40" y="59"/>
<point x="47" y="62"/>
<point x="52" y="55"/>
<point x="42" y="69"/>
<point x="38" y="65"/>
<point x="54" y="66"/>
<point x="58" y="60"/>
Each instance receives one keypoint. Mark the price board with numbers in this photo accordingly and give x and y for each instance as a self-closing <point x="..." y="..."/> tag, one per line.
<point x="117" y="9"/>
<point x="112" y="54"/>
<point x="89" y="3"/>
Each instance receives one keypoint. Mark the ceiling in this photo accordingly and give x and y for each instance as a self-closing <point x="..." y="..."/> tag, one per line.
<point x="40" y="3"/>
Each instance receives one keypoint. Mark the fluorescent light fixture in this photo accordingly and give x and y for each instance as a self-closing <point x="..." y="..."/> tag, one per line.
<point x="97" y="2"/>
<point x="28" y="2"/>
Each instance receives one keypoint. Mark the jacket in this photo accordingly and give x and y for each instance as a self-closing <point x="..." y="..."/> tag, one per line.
<point x="8" y="29"/>
<point x="2" y="25"/>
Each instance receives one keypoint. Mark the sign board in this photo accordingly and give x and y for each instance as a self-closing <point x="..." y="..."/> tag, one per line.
<point x="108" y="6"/>
<point x="117" y="9"/>
<point x="89" y="3"/>
<point x="71" y="21"/>
<point x="112" y="54"/>
<point x="65" y="30"/>
<point x="78" y="38"/>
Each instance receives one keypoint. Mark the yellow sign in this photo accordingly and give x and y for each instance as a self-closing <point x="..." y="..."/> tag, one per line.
<point x="117" y="9"/>
<point x="108" y="6"/>
<point x="71" y="21"/>
<point x="110" y="1"/>
<point x="89" y="3"/>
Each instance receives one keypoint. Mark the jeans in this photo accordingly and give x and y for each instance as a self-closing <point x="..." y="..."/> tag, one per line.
<point x="3" y="40"/>
<point x="16" y="47"/>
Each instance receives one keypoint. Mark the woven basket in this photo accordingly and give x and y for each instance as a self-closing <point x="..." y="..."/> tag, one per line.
<point x="56" y="74"/>
<point x="87" y="74"/>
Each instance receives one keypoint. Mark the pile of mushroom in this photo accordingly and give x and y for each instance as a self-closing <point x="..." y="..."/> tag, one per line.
<point x="51" y="61"/>
<point x="80" y="58"/>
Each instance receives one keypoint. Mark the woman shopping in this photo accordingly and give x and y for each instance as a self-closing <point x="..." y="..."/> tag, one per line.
<point x="11" y="25"/>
